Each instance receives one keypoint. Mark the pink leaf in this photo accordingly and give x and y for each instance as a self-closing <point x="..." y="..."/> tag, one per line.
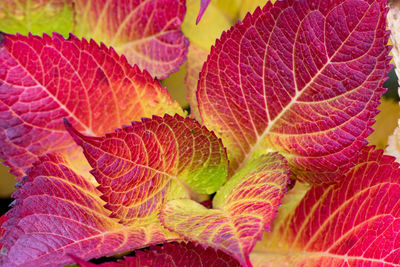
<point x="300" y="77"/>
<point x="57" y="212"/>
<point x="172" y="254"/>
<point x="147" y="32"/>
<point x="144" y="165"/>
<point x="243" y="209"/>
<point x="353" y="223"/>
<point x="45" y="79"/>
<point x="203" y="6"/>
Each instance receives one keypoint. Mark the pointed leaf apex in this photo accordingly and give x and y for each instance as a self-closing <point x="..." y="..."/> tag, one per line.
<point x="75" y="134"/>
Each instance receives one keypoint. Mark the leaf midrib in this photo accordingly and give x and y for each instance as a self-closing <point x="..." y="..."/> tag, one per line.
<point x="298" y="94"/>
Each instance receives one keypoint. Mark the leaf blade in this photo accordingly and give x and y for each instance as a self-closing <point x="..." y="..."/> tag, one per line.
<point x="243" y="209"/>
<point x="173" y="254"/>
<point x="54" y="78"/>
<point x="353" y="222"/>
<point x="37" y="17"/>
<point x="142" y="166"/>
<point x="147" y="32"/>
<point x="58" y="212"/>
<point x="288" y="91"/>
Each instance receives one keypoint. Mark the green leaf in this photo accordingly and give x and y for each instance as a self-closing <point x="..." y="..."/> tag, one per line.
<point x="36" y="17"/>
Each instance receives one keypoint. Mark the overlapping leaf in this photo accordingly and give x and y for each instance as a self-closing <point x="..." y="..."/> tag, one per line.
<point x="203" y="6"/>
<point x="301" y="77"/>
<point x="3" y="219"/>
<point x="147" y="32"/>
<point x="222" y="14"/>
<point x="36" y="16"/>
<point x="45" y="79"/>
<point x="196" y="58"/>
<point x="243" y="209"/>
<point x="353" y="223"/>
<point x="142" y="166"/>
<point x="173" y="254"/>
<point x="57" y="212"/>
<point x="386" y="122"/>
<point x="394" y="25"/>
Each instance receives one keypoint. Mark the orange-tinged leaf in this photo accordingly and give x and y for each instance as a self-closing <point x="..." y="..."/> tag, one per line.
<point x="147" y="32"/>
<point x="45" y="79"/>
<point x="144" y="165"/>
<point x="300" y="77"/>
<point x="58" y="212"/>
<point x="352" y="223"/>
<point x="196" y="58"/>
<point x="243" y="209"/>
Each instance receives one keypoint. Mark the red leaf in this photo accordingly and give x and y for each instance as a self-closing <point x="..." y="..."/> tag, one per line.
<point x="353" y="223"/>
<point x="300" y="77"/>
<point x="243" y="209"/>
<point x="141" y="166"/>
<point x="3" y="219"/>
<point x="170" y="255"/>
<point x="203" y="6"/>
<point x="45" y="79"/>
<point x="148" y="33"/>
<point x="57" y="212"/>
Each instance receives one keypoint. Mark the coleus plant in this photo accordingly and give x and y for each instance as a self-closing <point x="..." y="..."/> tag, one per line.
<point x="288" y="94"/>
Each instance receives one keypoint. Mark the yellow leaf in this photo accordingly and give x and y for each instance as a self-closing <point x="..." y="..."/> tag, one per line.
<point x="386" y="122"/>
<point x="7" y="182"/>
<point x="214" y="21"/>
<point x="250" y="5"/>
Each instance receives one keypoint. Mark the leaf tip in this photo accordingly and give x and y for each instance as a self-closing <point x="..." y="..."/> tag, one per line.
<point x="77" y="136"/>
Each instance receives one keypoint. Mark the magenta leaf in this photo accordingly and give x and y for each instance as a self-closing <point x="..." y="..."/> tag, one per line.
<point x="45" y="79"/>
<point x="203" y="6"/>
<point x="57" y="212"/>
<point x="300" y="77"/>
<point x="172" y="254"/>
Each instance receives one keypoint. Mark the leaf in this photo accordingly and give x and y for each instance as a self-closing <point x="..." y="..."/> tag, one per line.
<point x="352" y="223"/>
<point x="36" y="17"/>
<point x="45" y="79"/>
<point x="393" y="147"/>
<point x="386" y="122"/>
<point x="7" y="182"/>
<point x="196" y="58"/>
<point x="172" y="254"/>
<point x="202" y="35"/>
<point x="58" y="212"/>
<point x="147" y="32"/>
<point x="243" y="209"/>
<point x="248" y="6"/>
<point x="300" y="77"/>
<point x="144" y="165"/>
<point x="3" y="219"/>
<point x="394" y="26"/>
<point x="203" y="6"/>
